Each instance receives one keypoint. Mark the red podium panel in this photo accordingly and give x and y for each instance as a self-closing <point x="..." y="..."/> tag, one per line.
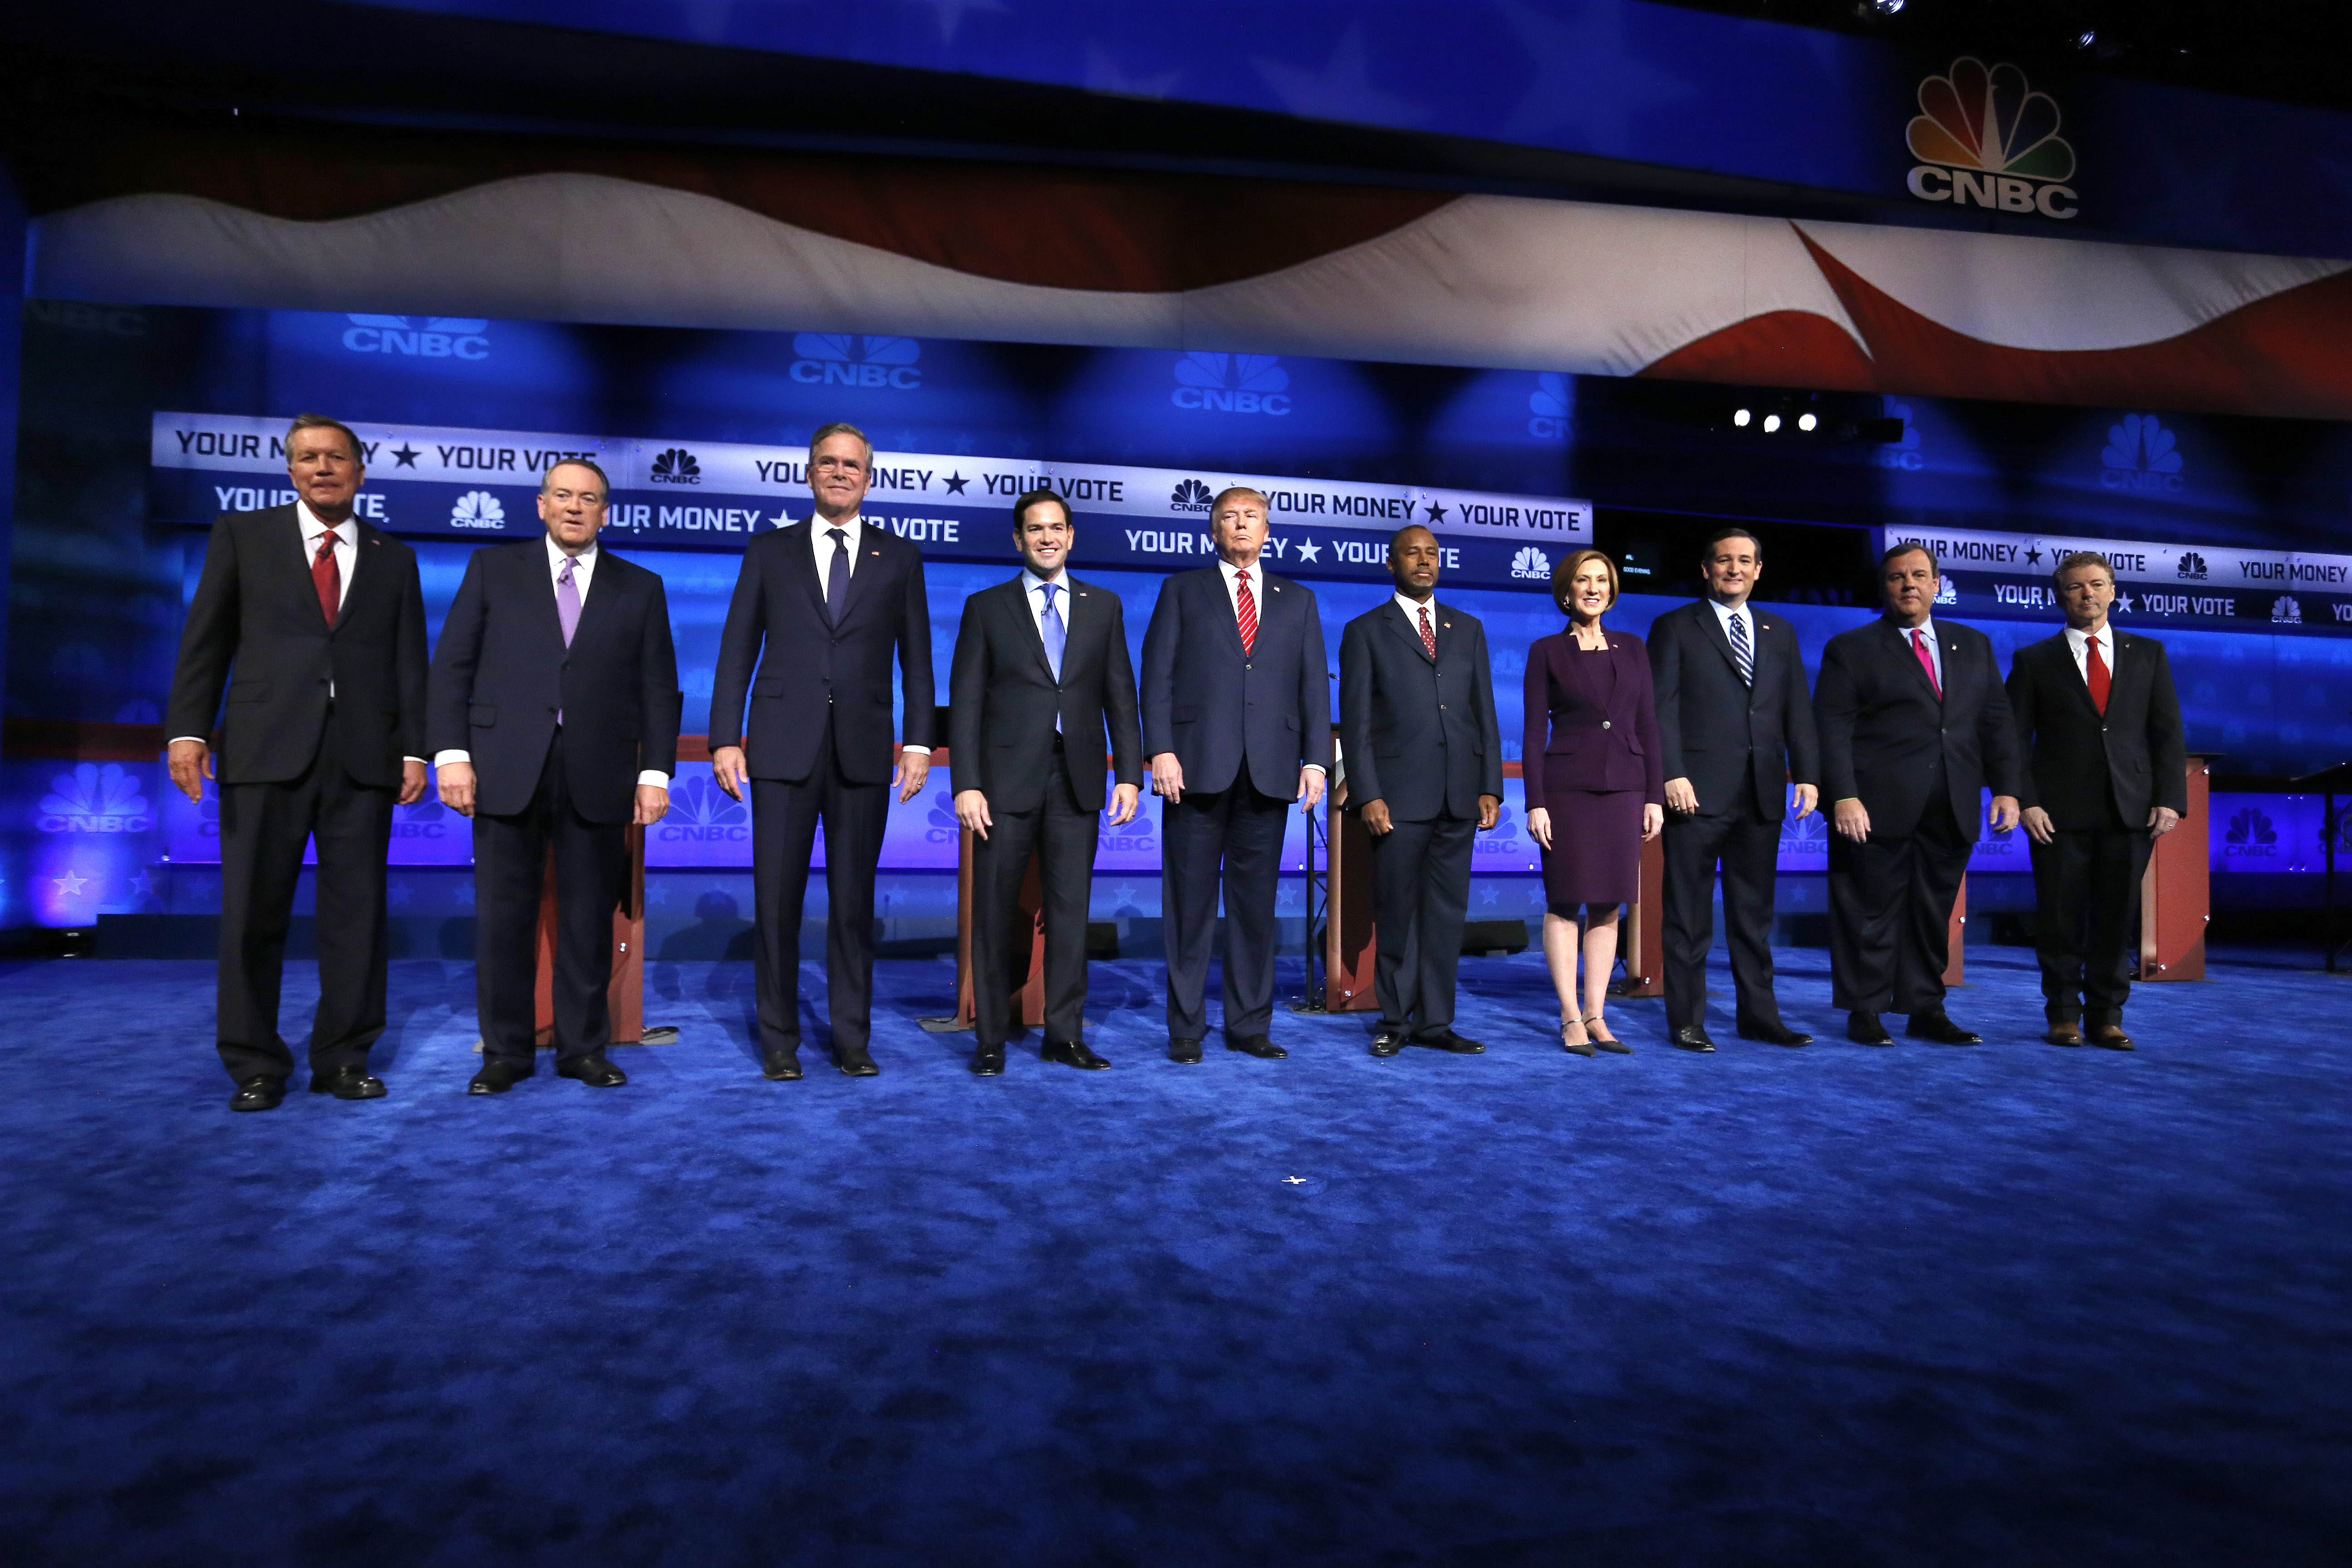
<point x="1955" y="972"/>
<point x="627" y="993"/>
<point x="1029" y="1001"/>
<point x="1350" y="944"/>
<point x="2176" y="897"/>
<point x="1644" y="924"/>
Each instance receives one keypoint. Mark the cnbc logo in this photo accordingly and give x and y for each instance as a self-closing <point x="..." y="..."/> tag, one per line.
<point x="676" y="467"/>
<point x="851" y="359"/>
<point x="1985" y="139"/>
<point x="1191" y="495"/>
<point x="1531" y="564"/>
<point x="1232" y="383"/>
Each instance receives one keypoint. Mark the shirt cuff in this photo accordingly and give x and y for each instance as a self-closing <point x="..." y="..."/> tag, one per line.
<point x="919" y="750"/>
<point x="199" y="740"/>
<point x="1318" y="767"/>
<point x="417" y="760"/>
<point x="442" y="758"/>
<point x="654" y="777"/>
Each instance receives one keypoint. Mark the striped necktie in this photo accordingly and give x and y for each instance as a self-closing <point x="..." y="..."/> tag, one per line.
<point x="1742" y="654"/>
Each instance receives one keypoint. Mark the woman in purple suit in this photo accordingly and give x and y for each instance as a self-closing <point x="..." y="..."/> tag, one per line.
<point x="1594" y="793"/>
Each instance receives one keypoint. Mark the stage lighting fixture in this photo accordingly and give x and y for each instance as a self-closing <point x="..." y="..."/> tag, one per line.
<point x="1884" y="7"/>
<point x="1741" y="418"/>
<point x="2090" y="37"/>
<point x="1771" y="423"/>
<point x="1806" y="421"/>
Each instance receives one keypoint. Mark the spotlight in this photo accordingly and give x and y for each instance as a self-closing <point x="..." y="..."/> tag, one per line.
<point x="1883" y="7"/>
<point x="1741" y="418"/>
<point x="2089" y="38"/>
<point x="1806" y="421"/>
<point x="1771" y="423"/>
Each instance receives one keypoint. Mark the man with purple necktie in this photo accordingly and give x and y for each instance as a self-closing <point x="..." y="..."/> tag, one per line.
<point x="552" y="731"/>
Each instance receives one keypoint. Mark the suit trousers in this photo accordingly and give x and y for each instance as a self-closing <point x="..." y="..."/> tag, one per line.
<point x="592" y="876"/>
<point x="1062" y="835"/>
<point x="1234" y="835"/>
<point x="1748" y="851"/>
<point x="264" y="828"/>
<point x="1421" y="901"/>
<point x="785" y="816"/>
<point x="2086" y="885"/>
<point x="1891" y="901"/>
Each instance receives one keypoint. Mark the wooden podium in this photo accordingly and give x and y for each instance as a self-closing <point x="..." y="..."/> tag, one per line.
<point x="2176" y="897"/>
<point x="627" y="991"/>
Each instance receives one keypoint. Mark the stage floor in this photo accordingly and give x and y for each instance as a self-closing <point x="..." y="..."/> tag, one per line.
<point x="2009" y="1304"/>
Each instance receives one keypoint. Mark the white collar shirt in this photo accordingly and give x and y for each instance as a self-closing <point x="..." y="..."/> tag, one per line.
<point x="1412" y="609"/>
<point x="1935" y="649"/>
<point x="583" y="565"/>
<point x="2078" y="644"/>
<point x="821" y="548"/>
<point x="1727" y="613"/>
<point x="1032" y="588"/>
<point x="346" y="546"/>
<point x="1231" y="574"/>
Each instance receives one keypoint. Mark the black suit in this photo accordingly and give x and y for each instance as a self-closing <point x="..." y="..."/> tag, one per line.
<point x="2098" y="775"/>
<point x="501" y="675"/>
<point x="1043" y="785"/>
<point x="294" y="762"/>
<point x="1242" y="724"/>
<point x="819" y="749"/>
<point x="1918" y="763"/>
<point x="1739" y="743"/>
<point x="1418" y="733"/>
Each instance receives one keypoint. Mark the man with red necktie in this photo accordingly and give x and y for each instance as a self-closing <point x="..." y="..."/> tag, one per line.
<point x="2107" y="776"/>
<point x="1913" y="724"/>
<point x="314" y="623"/>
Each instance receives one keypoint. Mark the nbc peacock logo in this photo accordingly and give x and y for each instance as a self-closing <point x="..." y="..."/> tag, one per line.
<point x="1531" y="565"/>
<point x="1985" y="138"/>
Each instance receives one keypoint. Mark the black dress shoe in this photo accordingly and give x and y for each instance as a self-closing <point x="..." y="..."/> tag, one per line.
<point x="350" y="1082"/>
<point x="1938" y="1030"/>
<point x="1257" y="1046"/>
<point x="1691" y="1037"/>
<point x="855" y="1064"/>
<point x="593" y="1070"/>
<point x="1389" y="1042"/>
<point x="1450" y="1042"/>
<point x="1864" y="1029"/>
<point x="498" y="1075"/>
<point x="257" y="1094"/>
<point x="988" y="1061"/>
<point x="1186" y="1051"/>
<point x="1072" y="1054"/>
<point x="1774" y="1035"/>
<point x="2064" y="1033"/>
<point x="782" y="1066"/>
<point x="2109" y="1037"/>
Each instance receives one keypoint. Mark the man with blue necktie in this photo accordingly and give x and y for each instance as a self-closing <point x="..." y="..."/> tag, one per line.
<point x="1041" y="671"/>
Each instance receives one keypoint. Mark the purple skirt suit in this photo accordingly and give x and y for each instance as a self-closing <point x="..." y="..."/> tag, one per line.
<point x="1591" y="759"/>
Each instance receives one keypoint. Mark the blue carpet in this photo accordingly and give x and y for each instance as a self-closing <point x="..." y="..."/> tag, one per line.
<point x="2004" y="1305"/>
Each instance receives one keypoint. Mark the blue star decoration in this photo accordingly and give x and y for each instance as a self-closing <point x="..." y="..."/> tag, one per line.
<point x="465" y="892"/>
<point x="70" y="885"/>
<point x="1436" y="512"/>
<point x="405" y="455"/>
<point x="2033" y="556"/>
<point x="658" y="893"/>
<point x="955" y="484"/>
<point x="1488" y="894"/>
<point x="142" y="886"/>
<point x="1310" y="550"/>
<point x="396" y="894"/>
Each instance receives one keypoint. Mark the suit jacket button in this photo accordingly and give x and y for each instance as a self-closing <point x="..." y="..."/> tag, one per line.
<point x="1604" y="723"/>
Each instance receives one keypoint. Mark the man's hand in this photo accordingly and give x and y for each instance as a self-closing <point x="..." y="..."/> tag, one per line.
<point x="1124" y="800"/>
<point x="190" y="763"/>
<point x="1852" y="819"/>
<point x="1167" y="776"/>
<point x="1539" y="825"/>
<point x="1681" y="796"/>
<point x="2161" y="820"/>
<point x="2038" y="826"/>
<point x="457" y="782"/>
<point x="1375" y="814"/>
<point x="1310" y="789"/>
<point x="971" y="810"/>
<point x="2004" y="813"/>
<point x="412" y="782"/>
<point x="1490" y="812"/>
<point x="914" y="767"/>
<point x="1653" y="821"/>
<point x="653" y="804"/>
<point x="1808" y="800"/>
<point x="728" y="767"/>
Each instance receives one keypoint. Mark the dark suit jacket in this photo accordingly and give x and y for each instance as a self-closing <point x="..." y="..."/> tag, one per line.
<point x="1003" y="698"/>
<point x="1712" y="728"/>
<point x="255" y="625"/>
<point x="779" y="604"/>
<point x="2086" y="769"/>
<point x="1419" y="733"/>
<point x="1602" y="736"/>
<point x="1882" y="732"/>
<point x="501" y="672"/>
<point x="1203" y="700"/>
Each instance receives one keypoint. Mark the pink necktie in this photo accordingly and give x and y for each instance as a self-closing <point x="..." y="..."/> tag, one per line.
<point x="1927" y="661"/>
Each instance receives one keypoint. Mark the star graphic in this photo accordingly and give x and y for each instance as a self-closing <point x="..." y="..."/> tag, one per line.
<point x="396" y="894"/>
<point x="955" y="484"/>
<point x="1294" y="1180"/>
<point x="781" y="519"/>
<point x="1488" y="894"/>
<point x="657" y="894"/>
<point x="1342" y="88"/>
<point x="70" y="884"/>
<point x="1103" y="75"/>
<point x="1289" y="895"/>
<point x="465" y="892"/>
<point x="405" y="454"/>
<point x="2123" y="602"/>
<point x="1572" y="58"/>
<point x="951" y="13"/>
<point x="142" y="886"/>
<point x="1436" y="512"/>
<point x="2033" y="555"/>
<point x="1309" y="550"/>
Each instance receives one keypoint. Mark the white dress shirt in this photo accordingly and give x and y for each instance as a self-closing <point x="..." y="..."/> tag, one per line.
<point x="1935" y="649"/>
<point x="584" y="571"/>
<point x="1035" y="587"/>
<point x="2078" y="644"/>
<point x="1727" y="613"/>
<point x="1412" y="609"/>
<point x="821" y="550"/>
<point x="1258" y="596"/>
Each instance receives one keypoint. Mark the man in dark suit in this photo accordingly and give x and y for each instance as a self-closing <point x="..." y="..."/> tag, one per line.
<point x="2106" y="775"/>
<point x="1423" y="761"/>
<point x="1735" y="723"/>
<point x="554" y="725"/>
<point x="1041" y="671"/>
<point x="315" y="624"/>
<point x="1913" y="724"/>
<point x="820" y="608"/>
<point x="1237" y="716"/>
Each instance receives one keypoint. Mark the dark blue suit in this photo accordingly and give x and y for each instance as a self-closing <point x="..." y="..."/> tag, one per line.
<point x="1419" y="734"/>
<point x="1242" y="725"/>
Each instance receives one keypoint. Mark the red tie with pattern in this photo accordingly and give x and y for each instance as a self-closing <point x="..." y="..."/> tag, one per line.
<point x="1428" y="637"/>
<point x="1248" y="609"/>
<point x="2097" y="674"/>
<point x="1927" y="661"/>
<point x="329" y="577"/>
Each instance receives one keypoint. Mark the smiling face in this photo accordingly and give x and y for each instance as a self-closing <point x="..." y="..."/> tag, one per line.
<point x="326" y="471"/>
<point x="1045" y="538"/>
<point x="1590" y="592"/>
<point x="1413" y="561"/>
<point x="2087" y="593"/>
<point x="840" y="467"/>
<point x="1731" y="568"/>
<point x="572" y="504"/>
<point x="1240" y="527"/>
<point x="1910" y="585"/>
